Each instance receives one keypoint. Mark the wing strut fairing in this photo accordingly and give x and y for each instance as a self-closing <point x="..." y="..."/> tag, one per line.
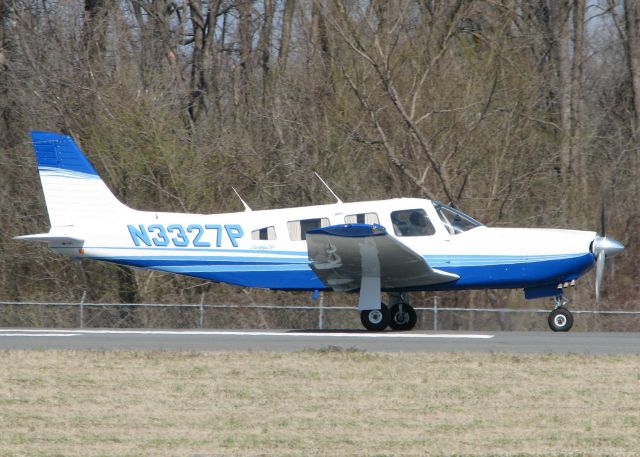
<point x="361" y="256"/>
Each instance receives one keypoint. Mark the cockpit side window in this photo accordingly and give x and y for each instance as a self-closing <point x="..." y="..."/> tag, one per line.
<point x="412" y="222"/>
<point x="454" y="220"/>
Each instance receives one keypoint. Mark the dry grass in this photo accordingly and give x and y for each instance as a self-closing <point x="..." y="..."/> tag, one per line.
<point x="316" y="403"/>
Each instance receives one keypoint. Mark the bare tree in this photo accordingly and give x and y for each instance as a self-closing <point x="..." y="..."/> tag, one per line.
<point x="632" y="47"/>
<point x="559" y="21"/>
<point x="264" y="47"/>
<point x="577" y="70"/>
<point x="285" y="37"/>
<point x="245" y="33"/>
<point x="378" y="55"/>
<point x="203" y="22"/>
<point x="95" y="29"/>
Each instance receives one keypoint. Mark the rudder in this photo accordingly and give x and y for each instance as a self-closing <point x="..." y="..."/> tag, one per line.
<point x="74" y="192"/>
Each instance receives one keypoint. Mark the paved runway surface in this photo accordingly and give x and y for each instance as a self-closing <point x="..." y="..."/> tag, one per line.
<point x="295" y="340"/>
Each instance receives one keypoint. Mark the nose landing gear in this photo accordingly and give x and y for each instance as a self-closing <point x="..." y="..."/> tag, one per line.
<point x="560" y="319"/>
<point x="403" y="317"/>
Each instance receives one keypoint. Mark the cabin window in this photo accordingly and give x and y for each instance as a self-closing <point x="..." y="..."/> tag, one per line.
<point x="298" y="229"/>
<point x="363" y="218"/>
<point x="265" y="233"/>
<point x="412" y="222"/>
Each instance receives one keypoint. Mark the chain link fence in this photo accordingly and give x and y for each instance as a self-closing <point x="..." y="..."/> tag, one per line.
<point x="201" y="315"/>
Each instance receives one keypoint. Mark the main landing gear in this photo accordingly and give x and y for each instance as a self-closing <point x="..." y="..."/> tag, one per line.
<point x="560" y="319"/>
<point x="375" y="320"/>
<point x="401" y="316"/>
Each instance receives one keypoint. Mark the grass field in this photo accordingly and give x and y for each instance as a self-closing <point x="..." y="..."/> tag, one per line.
<point x="317" y="403"/>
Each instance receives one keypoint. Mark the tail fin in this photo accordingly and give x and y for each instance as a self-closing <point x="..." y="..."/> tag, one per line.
<point x="74" y="192"/>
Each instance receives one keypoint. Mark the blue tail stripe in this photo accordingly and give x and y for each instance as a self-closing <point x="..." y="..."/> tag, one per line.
<point x="57" y="151"/>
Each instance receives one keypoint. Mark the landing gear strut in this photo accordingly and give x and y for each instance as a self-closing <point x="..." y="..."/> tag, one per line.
<point x="560" y="319"/>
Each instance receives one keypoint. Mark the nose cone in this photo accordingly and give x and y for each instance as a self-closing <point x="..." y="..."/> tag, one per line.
<point x="608" y="246"/>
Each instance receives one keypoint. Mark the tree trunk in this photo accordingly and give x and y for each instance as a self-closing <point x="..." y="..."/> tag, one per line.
<point x="9" y="109"/>
<point x="632" y="25"/>
<point x="156" y="44"/>
<point x="287" y="20"/>
<point x="265" y="49"/>
<point x="576" y="93"/>
<point x="95" y="30"/>
<point x="199" y="81"/>
<point x="559" y="21"/>
<point x="212" y="64"/>
<point x="245" y="33"/>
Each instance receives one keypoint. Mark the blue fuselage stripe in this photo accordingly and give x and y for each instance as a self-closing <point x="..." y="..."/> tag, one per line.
<point x="150" y="262"/>
<point x="294" y="273"/>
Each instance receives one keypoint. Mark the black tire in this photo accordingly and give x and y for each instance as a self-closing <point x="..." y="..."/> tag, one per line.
<point x="402" y="320"/>
<point x="375" y="320"/>
<point x="560" y="320"/>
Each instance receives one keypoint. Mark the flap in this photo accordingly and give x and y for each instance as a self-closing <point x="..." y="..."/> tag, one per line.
<point x="341" y="255"/>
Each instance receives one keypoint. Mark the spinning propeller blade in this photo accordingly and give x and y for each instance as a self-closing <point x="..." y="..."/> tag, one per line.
<point x="599" y="273"/>
<point x="603" y="231"/>
<point x="602" y="247"/>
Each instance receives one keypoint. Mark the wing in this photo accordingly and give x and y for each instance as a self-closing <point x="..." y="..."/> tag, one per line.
<point x="341" y="255"/>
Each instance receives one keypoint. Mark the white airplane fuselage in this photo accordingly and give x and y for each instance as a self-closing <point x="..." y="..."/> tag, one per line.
<point x="219" y="247"/>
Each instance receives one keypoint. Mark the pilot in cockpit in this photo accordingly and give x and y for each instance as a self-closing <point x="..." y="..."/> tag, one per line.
<point x="411" y="223"/>
<point x="418" y="219"/>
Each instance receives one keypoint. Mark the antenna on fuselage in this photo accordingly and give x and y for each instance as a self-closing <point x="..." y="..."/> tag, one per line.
<point x="246" y="207"/>
<point x="329" y="188"/>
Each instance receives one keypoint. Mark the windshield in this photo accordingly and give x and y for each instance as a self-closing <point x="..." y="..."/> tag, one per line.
<point x="455" y="221"/>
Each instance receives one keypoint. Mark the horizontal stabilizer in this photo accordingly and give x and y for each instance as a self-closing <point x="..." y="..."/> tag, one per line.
<point x="341" y="255"/>
<point x="51" y="239"/>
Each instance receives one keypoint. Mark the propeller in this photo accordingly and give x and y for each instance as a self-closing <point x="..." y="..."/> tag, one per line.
<point x="602" y="247"/>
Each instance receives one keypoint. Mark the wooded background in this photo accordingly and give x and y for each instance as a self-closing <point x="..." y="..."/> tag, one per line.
<point x="522" y="113"/>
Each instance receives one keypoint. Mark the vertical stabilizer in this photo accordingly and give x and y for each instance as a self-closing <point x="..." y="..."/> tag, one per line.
<point x="74" y="192"/>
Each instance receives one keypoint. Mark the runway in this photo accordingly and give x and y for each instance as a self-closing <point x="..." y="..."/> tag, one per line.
<point x="297" y="340"/>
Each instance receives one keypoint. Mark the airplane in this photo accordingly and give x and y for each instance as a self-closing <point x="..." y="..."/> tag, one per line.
<point x="396" y="246"/>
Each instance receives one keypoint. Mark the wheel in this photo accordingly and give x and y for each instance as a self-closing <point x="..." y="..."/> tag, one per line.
<point x="404" y="319"/>
<point x="560" y="320"/>
<point x="375" y="320"/>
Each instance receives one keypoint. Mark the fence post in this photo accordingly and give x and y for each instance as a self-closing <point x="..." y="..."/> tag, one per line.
<point x="202" y="310"/>
<point x="435" y="313"/>
<point x="84" y="295"/>
<point x="321" y="311"/>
